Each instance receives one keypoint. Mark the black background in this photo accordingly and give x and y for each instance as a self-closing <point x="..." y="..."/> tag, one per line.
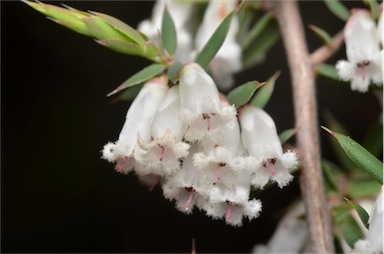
<point x="59" y="196"/>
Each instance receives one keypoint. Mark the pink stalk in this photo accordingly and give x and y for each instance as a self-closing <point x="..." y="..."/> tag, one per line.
<point x="123" y="164"/>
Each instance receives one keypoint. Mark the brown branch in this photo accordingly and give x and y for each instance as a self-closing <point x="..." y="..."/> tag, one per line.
<point x="303" y="83"/>
<point x="321" y="54"/>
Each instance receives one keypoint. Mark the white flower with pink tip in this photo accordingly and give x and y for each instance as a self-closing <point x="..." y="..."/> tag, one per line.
<point x="364" y="65"/>
<point x="261" y="141"/>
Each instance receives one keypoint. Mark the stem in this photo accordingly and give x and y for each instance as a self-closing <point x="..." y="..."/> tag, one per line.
<point x="303" y="84"/>
<point x="323" y="53"/>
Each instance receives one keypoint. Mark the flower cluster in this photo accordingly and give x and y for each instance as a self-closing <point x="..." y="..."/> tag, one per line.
<point x="227" y="60"/>
<point x="363" y="40"/>
<point x="189" y="139"/>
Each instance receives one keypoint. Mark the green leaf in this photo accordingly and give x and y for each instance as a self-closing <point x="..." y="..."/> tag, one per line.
<point x="242" y="94"/>
<point x="245" y="17"/>
<point x="122" y="27"/>
<point x="338" y="9"/>
<point x="70" y="18"/>
<point x="286" y="135"/>
<point x="174" y="71"/>
<point x="256" y="30"/>
<point x="140" y="77"/>
<point x="328" y="71"/>
<point x="101" y="30"/>
<point x="374" y="6"/>
<point x="342" y="157"/>
<point x="131" y="93"/>
<point x="214" y="43"/>
<point x="362" y="188"/>
<point x="262" y="97"/>
<point x="121" y="46"/>
<point x="151" y="52"/>
<point x="340" y="213"/>
<point x="262" y="44"/>
<point x="331" y="173"/>
<point x="364" y="159"/>
<point x="168" y="33"/>
<point x="373" y="141"/>
<point x="351" y="231"/>
<point x="322" y="34"/>
<point x="364" y="217"/>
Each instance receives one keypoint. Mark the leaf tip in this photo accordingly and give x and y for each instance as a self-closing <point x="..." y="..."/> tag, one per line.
<point x="329" y="131"/>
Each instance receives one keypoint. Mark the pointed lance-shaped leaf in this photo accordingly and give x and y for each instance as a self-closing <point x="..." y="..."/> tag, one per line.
<point x="322" y="34"/>
<point x="261" y="44"/>
<point x="124" y="28"/>
<point x="214" y="43"/>
<point x="101" y="30"/>
<point x="344" y="160"/>
<point x="331" y="173"/>
<point x="243" y="94"/>
<point x="359" y="155"/>
<point x="69" y="18"/>
<point x="174" y="72"/>
<point x="338" y="9"/>
<point x="140" y="77"/>
<point x="264" y="94"/>
<point x="256" y="30"/>
<point x="363" y="215"/>
<point x="168" y="33"/>
<point x="286" y="135"/>
<point x="121" y="46"/>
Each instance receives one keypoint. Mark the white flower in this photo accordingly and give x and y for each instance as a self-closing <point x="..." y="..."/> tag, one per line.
<point x="138" y="122"/>
<point x="184" y="185"/>
<point x="161" y="155"/>
<point x="260" y="139"/>
<point x="202" y="110"/>
<point x="290" y="236"/>
<point x="363" y="52"/>
<point x="374" y="239"/>
<point x="228" y="59"/>
<point x="181" y="12"/>
<point x="221" y="162"/>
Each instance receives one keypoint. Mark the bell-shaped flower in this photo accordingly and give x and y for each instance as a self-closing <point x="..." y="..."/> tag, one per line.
<point x="162" y="155"/>
<point x="184" y="186"/>
<point x="138" y="122"/>
<point x="232" y="203"/>
<point x="228" y="59"/>
<point x="202" y="110"/>
<point x="363" y="52"/>
<point x="262" y="142"/>
<point x="374" y="239"/>
<point x="221" y="162"/>
<point x="181" y="12"/>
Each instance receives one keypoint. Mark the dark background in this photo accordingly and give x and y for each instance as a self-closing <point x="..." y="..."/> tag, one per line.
<point x="58" y="195"/>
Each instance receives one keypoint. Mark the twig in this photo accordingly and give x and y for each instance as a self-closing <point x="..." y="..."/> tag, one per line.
<point x="321" y="54"/>
<point x="303" y="83"/>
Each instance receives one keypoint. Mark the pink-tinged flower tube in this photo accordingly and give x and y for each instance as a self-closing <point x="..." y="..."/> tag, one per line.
<point x="184" y="185"/>
<point x="162" y="154"/>
<point x="202" y="110"/>
<point x="363" y="52"/>
<point x="181" y="13"/>
<point x="262" y="142"/>
<point x="138" y="122"/>
<point x="228" y="59"/>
